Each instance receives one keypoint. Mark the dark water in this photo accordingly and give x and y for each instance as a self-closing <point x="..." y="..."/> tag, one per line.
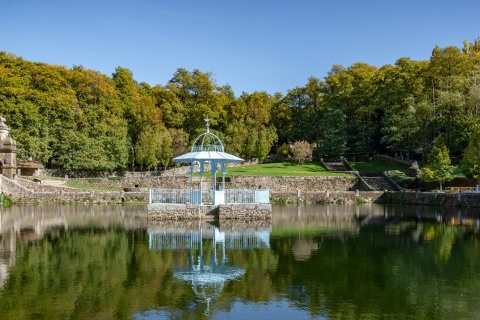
<point x="309" y="262"/>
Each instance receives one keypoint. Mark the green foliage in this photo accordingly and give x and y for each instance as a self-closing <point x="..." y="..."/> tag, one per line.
<point x="7" y="203"/>
<point x="80" y="119"/>
<point x="284" y="151"/>
<point x="439" y="168"/>
<point x="471" y="156"/>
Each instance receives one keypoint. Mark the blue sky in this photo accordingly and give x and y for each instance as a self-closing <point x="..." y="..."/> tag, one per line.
<point x="252" y="45"/>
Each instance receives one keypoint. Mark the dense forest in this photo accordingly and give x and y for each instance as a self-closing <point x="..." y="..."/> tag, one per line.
<point x="80" y="119"/>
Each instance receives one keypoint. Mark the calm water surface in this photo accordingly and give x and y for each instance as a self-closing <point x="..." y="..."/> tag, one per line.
<point x="309" y="262"/>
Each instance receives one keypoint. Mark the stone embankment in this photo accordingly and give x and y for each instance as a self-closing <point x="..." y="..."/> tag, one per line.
<point x="346" y="189"/>
<point x="27" y="192"/>
<point x="289" y="189"/>
<point x="162" y="211"/>
<point x="169" y="211"/>
<point x="257" y="211"/>
<point x="463" y="199"/>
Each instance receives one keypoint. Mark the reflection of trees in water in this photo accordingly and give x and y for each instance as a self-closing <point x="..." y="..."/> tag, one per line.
<point x="381" y="270"/>
<point x="425" y="261"/>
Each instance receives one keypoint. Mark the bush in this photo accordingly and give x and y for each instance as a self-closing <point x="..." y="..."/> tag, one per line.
<point x="284" y="151"/>
<point x="302" y="151"/>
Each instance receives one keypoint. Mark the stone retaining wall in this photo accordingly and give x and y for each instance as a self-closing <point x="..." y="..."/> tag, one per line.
<point x="251" y="211"/>
<point x="289" y="184"/>
<point x="275" y="184"/>
<point x="290" y="189"/>
<point x="161" y="211"/>
<point x="77" y="196"/>
<point x="168" y="182"/>
<point x="326" y="196"/>
<point x="13" y="189"/>
<point x="465" y="199"/>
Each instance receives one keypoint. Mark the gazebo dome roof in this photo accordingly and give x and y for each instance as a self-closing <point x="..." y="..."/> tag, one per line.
<point x="207" y="141"/>
<point x="207" y="147"/>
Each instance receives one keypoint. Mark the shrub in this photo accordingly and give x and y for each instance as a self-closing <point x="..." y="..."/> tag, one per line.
<point x="302" y="151"/>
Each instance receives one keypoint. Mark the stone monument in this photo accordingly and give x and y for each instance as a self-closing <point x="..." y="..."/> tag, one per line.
<point x="8" y="151"/>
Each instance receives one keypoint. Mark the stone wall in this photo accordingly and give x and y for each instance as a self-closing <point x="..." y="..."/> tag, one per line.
<point x="161" y="211"/>
<point x="326" y="197"/>
<point x="290" y="189"/>
<point x="168" y="182"/>
<point x="289" y="184"/>
<point x="195" y="212"/>
<point x="251" y="211"/>
<point x="12" y="189"/>
<point x="19" y="194"/>
<point x="465" y="199"/>
<point x="275" y="184"/>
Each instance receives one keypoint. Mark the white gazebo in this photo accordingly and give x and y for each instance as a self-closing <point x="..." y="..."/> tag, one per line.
<point x="208" y="149"/>
<point x="208" y="154"/>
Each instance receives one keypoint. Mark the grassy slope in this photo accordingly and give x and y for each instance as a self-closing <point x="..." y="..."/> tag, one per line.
<point x="283" y="169"/>
<point x="375" y="167"/>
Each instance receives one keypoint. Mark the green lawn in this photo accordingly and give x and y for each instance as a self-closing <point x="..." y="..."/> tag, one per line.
<point x="283" y="169"/>
<point x="373" y="166"/>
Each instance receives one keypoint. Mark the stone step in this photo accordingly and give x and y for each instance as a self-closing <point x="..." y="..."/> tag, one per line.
<point x="336" y="166"/>
<point x="378" y="183"/>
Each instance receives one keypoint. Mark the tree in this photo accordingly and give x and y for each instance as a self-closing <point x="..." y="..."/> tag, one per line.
<point x="284" y="151"/>
<point x="438" y="168"/>
<point x="179" y="141"/>
<point x="471" y="157"/>
<point x="302" y="151"/>
<point x="154" y="147"/>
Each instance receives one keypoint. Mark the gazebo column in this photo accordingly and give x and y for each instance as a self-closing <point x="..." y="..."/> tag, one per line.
<point x="192" y="193"/>
<point x="223" y="175"/>
<point x="201" y="169"/>
<point x="213" y="170"/>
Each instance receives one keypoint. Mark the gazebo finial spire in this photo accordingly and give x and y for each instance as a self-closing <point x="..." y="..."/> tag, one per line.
<point x="207" y="123"/>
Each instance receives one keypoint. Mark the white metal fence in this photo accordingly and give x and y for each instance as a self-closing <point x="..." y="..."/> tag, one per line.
<point x="247" y="196"/>
<point x="184" y="196"/>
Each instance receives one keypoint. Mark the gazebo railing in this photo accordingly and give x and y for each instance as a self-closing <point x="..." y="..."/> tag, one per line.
<point x="247" y="196"/>
<point x="187" y="196"/>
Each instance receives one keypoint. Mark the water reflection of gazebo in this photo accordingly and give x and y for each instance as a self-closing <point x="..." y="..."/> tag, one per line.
<point x="208" y="277"/>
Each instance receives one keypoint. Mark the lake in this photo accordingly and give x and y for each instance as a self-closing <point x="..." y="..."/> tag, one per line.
<point x="309" y="262"/>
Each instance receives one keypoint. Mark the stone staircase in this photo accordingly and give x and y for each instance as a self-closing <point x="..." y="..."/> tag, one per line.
<point x="378" y="183"/>
<point x="336" y="166"/>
